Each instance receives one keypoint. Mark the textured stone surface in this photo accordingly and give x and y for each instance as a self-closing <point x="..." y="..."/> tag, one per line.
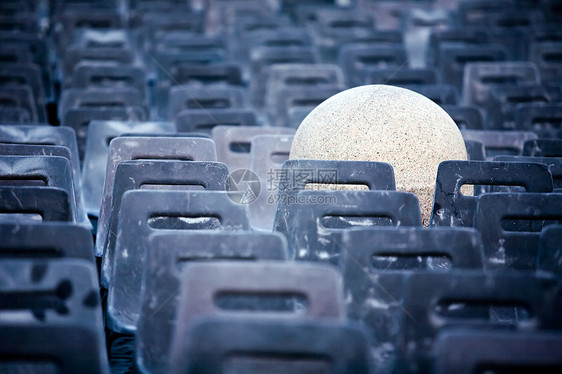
<point x="384" y="123"/>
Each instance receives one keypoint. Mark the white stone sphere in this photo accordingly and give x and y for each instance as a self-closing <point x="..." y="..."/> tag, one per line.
<point x="388" y="124"/>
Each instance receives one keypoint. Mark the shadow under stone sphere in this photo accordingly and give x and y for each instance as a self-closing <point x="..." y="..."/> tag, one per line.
<point x="388" y="124"/>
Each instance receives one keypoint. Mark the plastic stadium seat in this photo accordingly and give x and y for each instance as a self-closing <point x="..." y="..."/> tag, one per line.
<point x="544" y="120"/>
<point x="204" y="121"/>
<point x="234" y="143"/>
<point x="295" y="175"/>
<point x="503" y="103"/>
<point x="510" y="225"/>
<point x="466" y="117"/>
<point x="159" y="175"/>
<point x="193" y="97"/>
<point x="554" y="164"/>
<point x="139" y="148"/>
<point x="451" y="207"/>
<point x="543" y="148"/>
<point x="497" y="349"/>
<point x="173" y="253"/>
<point x="319" y="218"/>
<point x="48" y="171"/>
<point x="159" y="210"/>
<point x="79" y="120"/>
<point x="343" y="348"/>
<point x="480" y="77"/>
<point x="357" y="60"/>
<point x="437" y="302"/>
<point x="51" y="240"/>
<point x="99" y="136"/>
<point x="500" y="142"/>
<point x="62" y="328"/>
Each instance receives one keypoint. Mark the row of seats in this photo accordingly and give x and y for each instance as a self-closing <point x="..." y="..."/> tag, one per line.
<point x="153" y="223"/>
<point x="471" y="62"/>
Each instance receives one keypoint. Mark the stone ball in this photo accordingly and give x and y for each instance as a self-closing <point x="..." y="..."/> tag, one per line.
<point x="388" y="124"/>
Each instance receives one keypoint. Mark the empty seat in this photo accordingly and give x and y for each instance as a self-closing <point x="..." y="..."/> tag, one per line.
<point x="408" y="248"/>
<point x="261" y="291"/>
<point x="303" y="347"/>
<point x="31" y="204"/>
<point x="454" y="37"/>
<point x="452" y="58"/>
<point x="500" y="142"/>
<point x="544" y="120"/>
<point x="287" y="99"/>
<point x="335" y="27"/>
<point x="26" y="75"/>
<point x="357" y="60"/>
<point x="99" y="136"/>
<point x="21" y="98"/>
<point x="52" y="317"/>
<point x="437" y="302"/>
<point x="498" y="350"/>
<point x="158" y="175"/>
<point x="79" y="119"/>
<point x="48" y="171"/>
<point x="14" y="115"/>
<point x="70" y="20"/>
<point x="139" y="148"/>
<point x="218" y="73"/>
<point x="234" y="143"/>
<point x="554" y="164"/>
<point x="510" y="225"/>
<point x="243" y="27"/>
<point x="453" y="207"/>
<point x="480" y="77"/>
<point x="320" y="217"/>
<point x="547" y="57"/>
<point x="261" y="58"/>
<point x="205" y="120"/>
<point x="98" y="75"/>
<point x="47" y="240"/>
<point x="375" y="265"/>
<point x="503" y="102"/>
<point x="543" y="148"/>
<point x="75" y="54"/>
<point x="466" y="117"/>
<point x="158" y="210"/>
<point x="189" y="97"/>
<point x="295" y="175"/>
<point x="33" y="134"/>
<point x="288" y="79"/>
<point x="169" y="256"/>
<point x="159" y="22"/>
<point x="402" y="77"/>
<point x="93" y="97"/>
<point x="278" y="37"/>
<point x="196" y="72"/>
